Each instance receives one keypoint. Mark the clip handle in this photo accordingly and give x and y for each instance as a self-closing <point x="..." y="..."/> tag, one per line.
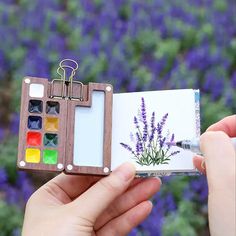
<point x="65" y="83"/>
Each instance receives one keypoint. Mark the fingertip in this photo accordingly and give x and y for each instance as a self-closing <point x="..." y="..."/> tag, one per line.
<point x="156" y="180"/>
<point x="159" y="180"/>
<point x="155" y="184"/>
<point x="212" y="138"/>
<point x="124" y="223"/>
<point x="149" y="204"/>
<point x="211" y="128"/>
<point x="126" y="171"/>
<point x="227" y="125"/>
<point x="145" y="208"/>
<point x="197" y="162"/>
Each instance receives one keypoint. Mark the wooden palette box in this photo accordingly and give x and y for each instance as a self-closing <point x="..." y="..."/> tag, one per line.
<point x="62" y="126"/>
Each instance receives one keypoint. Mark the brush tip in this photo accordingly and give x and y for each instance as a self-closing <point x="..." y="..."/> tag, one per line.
<point x="170" y="143"/>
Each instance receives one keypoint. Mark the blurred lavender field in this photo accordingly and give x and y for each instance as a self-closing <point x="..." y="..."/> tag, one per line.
<point x="136" y="46"/>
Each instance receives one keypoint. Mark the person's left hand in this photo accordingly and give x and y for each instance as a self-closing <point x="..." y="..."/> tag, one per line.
<point x="86" y="205"/>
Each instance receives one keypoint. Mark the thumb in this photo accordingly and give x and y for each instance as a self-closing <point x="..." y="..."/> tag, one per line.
<point x="219" y="158"/>
<point x="96" y="199"/>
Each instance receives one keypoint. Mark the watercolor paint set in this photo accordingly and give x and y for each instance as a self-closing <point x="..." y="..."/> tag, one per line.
<point x="86" y="129"/>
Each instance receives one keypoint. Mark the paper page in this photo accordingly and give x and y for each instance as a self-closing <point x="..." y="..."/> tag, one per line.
<point x="175" y="117"/>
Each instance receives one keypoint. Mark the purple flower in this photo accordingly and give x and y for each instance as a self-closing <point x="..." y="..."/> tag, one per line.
<point x="34" y="41"/>
<point x="25" y="185"/>
<point x="162" y="142"/>
<point x="3" y="176"/>
<point x="136" y="122"/>
<point x="144" y="120"/>
<point x="174" y="153"/>
<point x="171" y="141"/>
<point x="134" y="232"/>
<point x="145" y="132"/>
<point x="2" y="133"/>
<point x="16" y="232"/>
<point x="138" y="150"/>
<point x="161" y="123"/>
<point x="214" y="83"/>
<point x="132" y="137"/>
<point x="200" y="187"/>
<point x="170" y="203"/>
<point x="160" y="126"/>
<point x="127" y="147"/>
<point x="15" y="123"/>
<point x="153" y="128"/>
<point x="233" y="80"/>
<point x="159" y="131"/>
<point x="188" y="194"/>
<point x="143" y="111"/>
<point x="139" y="145"/>
<point x="150" y="147"/>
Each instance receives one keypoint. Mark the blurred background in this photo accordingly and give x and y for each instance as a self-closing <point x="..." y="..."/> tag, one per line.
<point x="135" y="45"/>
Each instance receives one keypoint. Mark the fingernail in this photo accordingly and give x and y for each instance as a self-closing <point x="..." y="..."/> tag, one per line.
<point x="125" y="171"/>
<point x="159" y="180"/>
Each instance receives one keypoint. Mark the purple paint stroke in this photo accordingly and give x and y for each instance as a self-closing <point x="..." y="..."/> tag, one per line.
<point x="153" y="128"/>
<point x="139" y="145"/>
<point x="127" y="147"/>
<point x="144" y="120"/>
<point x="162" y="142"/>
<point x="136" y="122"/>
<point x="160" y="126"/>
<point x="132" y="137"/>
<point x="174" y="153"/>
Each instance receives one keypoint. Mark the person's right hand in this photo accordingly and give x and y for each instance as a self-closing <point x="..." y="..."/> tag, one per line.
<point x="220" y="158"/>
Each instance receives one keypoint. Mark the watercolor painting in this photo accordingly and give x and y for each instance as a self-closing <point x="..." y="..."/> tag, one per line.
<point x="150" y="144"/>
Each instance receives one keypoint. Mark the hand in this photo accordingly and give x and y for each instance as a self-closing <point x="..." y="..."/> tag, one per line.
<point x="86" y="205"/>
<point x="220" y="158"/>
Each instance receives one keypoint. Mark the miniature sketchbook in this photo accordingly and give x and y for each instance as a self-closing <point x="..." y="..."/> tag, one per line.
<point x="143" y="122"/>
<point x="86" y="129"/>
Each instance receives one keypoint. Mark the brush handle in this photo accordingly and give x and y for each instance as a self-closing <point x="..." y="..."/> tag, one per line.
<point x="194" y="145"/>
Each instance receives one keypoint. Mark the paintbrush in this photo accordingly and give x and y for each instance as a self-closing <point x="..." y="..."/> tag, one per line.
<point x="193" y="145"/>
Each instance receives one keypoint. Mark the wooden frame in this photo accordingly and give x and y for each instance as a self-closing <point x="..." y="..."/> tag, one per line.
<point x="105" y="169"/>
<point x="65" y="131"/>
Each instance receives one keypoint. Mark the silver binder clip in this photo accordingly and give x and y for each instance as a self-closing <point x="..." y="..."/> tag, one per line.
<point x="65" y="83"/>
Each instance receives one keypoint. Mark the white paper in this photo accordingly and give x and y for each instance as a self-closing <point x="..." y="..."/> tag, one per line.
<point x="182" y="121"/>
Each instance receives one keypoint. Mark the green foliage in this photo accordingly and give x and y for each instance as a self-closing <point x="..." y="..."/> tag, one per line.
<point x="8" y="156"/>
<point x="184" y="222"/>
<point x="217" y="108"/>
<point x="220" y="5"/>
<point x="169" y="48"/>
<point x="176" y="187"/>
<point x="10" y="219"/>
<point x="143" y="75"/>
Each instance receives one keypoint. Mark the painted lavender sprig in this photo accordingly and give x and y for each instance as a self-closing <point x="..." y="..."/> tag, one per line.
<point x="151" y="145"/>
